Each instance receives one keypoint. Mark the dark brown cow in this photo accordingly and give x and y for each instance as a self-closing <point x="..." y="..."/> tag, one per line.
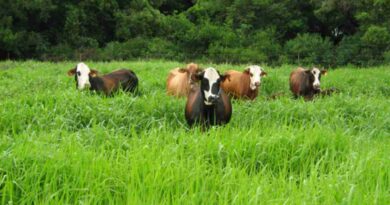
<point x="305" y="82"/>
<point x="107" y="84"/>
<point x="244" y="84"/>
<point x="179" y="80"/>
<point x="208" y="104"/>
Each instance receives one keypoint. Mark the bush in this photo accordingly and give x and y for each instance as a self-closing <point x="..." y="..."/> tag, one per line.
<point x="266" y="46"/>
<point x="376" y="37"/>
<point x="59" y="52"/>
<point x="310" y="49"/>
<point x="133" y="48"/>
<point x="348" y="50"/>
<point x="161" y="48"/>
<point x="386" y="56"/>
<point x="375" y="42"/>
<point x="222" y="54"/>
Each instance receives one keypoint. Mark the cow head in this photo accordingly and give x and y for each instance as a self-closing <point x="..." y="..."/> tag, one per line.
<point x="210" y="80"/>
<point x="255" y="73"/>
<point x="191" y="70"/>
<point x="315" y="77"/>
<point x="81" y="73"/>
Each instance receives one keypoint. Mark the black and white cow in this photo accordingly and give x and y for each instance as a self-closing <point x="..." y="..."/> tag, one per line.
<point x="306" y="82"/>
<point x="208" y="104"/>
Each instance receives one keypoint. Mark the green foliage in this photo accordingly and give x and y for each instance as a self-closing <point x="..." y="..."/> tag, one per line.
<point x="59" y="145"/>
<point x="310" y="49"/>
<point x="376" y="37"/>
<point x="213" y="30"/>
<point x="386" y="56"/>
<point x="348" y="51"/>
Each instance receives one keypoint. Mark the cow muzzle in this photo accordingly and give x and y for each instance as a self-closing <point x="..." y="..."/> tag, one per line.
<point x="213" y="98"/>
<point x="84" y="86"/>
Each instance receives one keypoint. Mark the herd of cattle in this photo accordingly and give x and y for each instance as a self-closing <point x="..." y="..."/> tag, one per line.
<point x="208" y="91"/>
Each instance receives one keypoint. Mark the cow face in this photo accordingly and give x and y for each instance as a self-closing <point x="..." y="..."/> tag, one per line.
<point x="191" y="70"/>
<point x="315" y="77"/>
<point x="81" y="73"/>
<point x="210" y="81"/>
<point x="255" y="72"/>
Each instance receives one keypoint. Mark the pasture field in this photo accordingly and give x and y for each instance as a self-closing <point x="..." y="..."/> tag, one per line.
<point x="62" y="146"/>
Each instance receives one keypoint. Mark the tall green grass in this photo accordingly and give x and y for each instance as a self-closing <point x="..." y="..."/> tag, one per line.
<point x="62" y="146"/>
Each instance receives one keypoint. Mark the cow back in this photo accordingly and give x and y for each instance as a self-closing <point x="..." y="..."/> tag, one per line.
<point x="238" y="85"/>
<point x="177" y="83"/>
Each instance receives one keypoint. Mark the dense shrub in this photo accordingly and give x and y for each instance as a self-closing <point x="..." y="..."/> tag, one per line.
<point x="310" y="49"/>
<point x="311" y="32"/>
<point x="386" y="57"/>
<point x="348" y="51"/>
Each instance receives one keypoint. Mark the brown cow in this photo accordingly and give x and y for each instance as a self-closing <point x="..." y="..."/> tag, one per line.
<point x="179" y="80"/>
<point x="305" y="82"/>
<point x="109" y="83"/>
<point x="244" y="84"/>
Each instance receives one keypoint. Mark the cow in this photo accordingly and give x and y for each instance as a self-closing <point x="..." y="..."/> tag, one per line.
<point x="108" y="83"/>
<point x="179" y="81"/>
<point x="244" y="84"/>
<point x="208" y="104"/>
<point x="306" y="82"/>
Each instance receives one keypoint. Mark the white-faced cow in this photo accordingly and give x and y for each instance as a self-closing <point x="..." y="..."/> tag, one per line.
<point x="306" y="82"/>
<point x="244" y="84"/>
<point x="179" y="80"/>
<point x="208" y="104"/>
<point x="107" y="84"/>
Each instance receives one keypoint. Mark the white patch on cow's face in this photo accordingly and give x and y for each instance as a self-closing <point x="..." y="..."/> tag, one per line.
<point x="255" y="76"/>
<point x="82" y="72"/>
<point x="316" y="72"/>
<point x="212" y="76"/>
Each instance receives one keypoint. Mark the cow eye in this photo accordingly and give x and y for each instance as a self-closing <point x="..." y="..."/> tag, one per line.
<point x="251" y="74"/>
<point x="78" y="73"/>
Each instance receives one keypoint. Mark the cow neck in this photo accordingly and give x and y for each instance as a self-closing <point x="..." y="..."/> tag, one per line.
<point x="97" y="82"/>
<point x="191" y="82"/>
<point x="306" y="79"/>
<point x="247" y="91"/>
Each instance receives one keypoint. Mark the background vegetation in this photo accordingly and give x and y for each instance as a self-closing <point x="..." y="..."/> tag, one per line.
<point x="321" y="32"/>
<point x="62" y="146"/>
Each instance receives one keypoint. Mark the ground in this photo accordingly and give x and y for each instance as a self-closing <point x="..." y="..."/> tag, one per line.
<point x="62" y="146"/>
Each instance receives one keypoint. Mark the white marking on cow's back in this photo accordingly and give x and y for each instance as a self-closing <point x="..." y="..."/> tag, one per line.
<point x="212" y="76"/>
<point x="82" y="72"/>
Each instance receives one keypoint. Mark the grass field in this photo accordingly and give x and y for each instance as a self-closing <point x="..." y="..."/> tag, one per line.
<point x="62" y="146"/>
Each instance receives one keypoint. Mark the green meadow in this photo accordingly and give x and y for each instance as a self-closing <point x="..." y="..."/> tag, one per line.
<point x="59" y="145"/>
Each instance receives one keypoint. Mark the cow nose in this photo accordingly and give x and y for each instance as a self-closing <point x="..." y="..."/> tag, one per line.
<point x="213" y="98"/>
<point x="257" y="83"/>
<point x="316" y="86"/>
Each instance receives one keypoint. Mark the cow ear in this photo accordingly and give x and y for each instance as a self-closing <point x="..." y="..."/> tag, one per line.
<point x="324" y="72"/>
<point x="183" y="70"/>
<point x="263" y="74"/>
<point x="246" y="71"/>
<point x="71" y="72"/>
<point x="225" y="77"/>
<point x="197" y="76"/>
<point x="93" y="73"/>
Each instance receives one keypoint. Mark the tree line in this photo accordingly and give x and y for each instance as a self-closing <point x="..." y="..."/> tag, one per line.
<point x="304" y="32"/>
